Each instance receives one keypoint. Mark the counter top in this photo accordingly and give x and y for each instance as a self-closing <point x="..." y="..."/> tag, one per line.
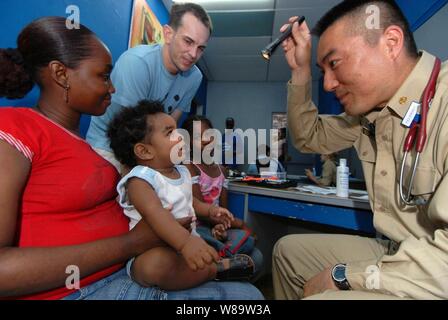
<point x="294" y="194"/>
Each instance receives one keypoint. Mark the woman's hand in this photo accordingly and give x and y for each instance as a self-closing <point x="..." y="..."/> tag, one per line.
<point x="309" y="173"/>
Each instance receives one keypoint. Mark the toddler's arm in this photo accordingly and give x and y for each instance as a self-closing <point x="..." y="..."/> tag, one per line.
<point x="195" y="250"/>
<point x="212" y="213"/>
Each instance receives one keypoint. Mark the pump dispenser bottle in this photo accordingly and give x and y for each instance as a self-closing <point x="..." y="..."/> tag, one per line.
<point x="342" y="179"/>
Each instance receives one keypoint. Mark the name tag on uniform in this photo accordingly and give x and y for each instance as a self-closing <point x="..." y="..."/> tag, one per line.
<point x="412" y="114"/>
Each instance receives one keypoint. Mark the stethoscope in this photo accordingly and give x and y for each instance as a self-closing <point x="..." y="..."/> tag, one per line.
<point x="418" y="130"/>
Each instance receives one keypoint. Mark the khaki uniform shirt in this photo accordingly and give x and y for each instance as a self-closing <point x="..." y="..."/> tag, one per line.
<point x="328" y="177"/>
<point x="419" y="267"/>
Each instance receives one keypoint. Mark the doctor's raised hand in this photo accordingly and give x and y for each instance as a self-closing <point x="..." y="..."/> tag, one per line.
<point x="297" y="50"/>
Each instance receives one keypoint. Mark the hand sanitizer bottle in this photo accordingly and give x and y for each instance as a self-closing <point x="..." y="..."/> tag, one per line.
<point x="342" y="179"/>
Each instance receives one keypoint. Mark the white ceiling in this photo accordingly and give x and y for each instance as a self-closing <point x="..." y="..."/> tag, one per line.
<point x="238" y="58"/>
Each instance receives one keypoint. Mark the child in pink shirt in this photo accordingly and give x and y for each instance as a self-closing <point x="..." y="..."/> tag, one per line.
<point x="210" y="185"/>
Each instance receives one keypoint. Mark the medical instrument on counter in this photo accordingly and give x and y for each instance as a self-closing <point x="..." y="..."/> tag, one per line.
<point x="417" y="135"/>
<point x="258" y="179"/>
<point x="270" y="48"/>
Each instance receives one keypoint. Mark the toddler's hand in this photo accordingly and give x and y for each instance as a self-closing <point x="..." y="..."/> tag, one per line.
<point x="197" y="253"/>
<point x="219" y="232"/>
<point x="221" y="215"/>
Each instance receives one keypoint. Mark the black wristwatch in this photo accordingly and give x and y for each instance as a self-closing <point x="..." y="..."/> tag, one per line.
<point x="338" y="275"/>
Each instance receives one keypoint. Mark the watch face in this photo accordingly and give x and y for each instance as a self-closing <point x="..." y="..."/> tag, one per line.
<point x="339" y="278"/>
<point x="339" y="273"/>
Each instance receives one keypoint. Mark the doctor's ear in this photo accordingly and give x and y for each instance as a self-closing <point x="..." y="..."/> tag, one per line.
<point x="143" y="151"/>
<point x="394" y="41"/>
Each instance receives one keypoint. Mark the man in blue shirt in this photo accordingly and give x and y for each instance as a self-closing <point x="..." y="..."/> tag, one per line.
<point x="157" y="72"/>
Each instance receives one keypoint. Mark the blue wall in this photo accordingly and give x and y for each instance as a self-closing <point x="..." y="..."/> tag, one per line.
<point x="418" y="12"/>
<point x="109" y="19"/>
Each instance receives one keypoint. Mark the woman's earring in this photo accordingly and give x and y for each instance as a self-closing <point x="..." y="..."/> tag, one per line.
<point x="67" y="86"/>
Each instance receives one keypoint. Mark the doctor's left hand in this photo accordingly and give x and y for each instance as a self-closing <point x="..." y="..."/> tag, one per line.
<point x="319" y="283"/>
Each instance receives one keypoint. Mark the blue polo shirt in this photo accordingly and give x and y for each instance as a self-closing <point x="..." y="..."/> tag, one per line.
<point x="140" y="74"/>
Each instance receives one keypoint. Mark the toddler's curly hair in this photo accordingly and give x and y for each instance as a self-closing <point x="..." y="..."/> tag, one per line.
<point x="129" y="127"/>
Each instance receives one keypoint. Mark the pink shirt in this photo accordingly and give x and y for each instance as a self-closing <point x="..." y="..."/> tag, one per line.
<point x="210" y="187"/>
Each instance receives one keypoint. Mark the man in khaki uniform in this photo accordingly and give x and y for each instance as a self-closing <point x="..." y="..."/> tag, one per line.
<point x="329" y="169"/>
<point x="376" y="75"/>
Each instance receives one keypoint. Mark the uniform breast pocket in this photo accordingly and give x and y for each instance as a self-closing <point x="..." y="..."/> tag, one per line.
<point x="425" y="178"/>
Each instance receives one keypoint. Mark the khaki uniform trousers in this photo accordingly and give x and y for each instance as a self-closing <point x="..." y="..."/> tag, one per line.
<point x="297" y="258"/>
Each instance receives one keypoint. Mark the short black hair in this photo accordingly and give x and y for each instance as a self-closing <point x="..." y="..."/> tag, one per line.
<point x="267" y="154"/>
<point x="178" y="10"/>
<point x="189" y="122"/>
<point x="129" y="127"/>
<point x="230" y="122"/>
<point x="390" y="14"/>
